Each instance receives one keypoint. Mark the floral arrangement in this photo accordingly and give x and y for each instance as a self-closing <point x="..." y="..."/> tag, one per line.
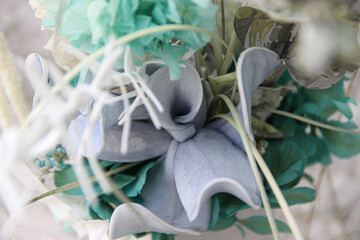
<point x="174" y="116"/>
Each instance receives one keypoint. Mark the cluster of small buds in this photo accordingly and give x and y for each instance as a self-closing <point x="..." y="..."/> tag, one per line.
<point x="53" y="158"/>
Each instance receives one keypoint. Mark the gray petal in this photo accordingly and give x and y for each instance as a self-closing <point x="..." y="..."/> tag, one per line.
<point x="208" y="164"/>
<point x="162" y="211"/>
<point x="110" y="113"/>
<point x="255" y="65"/>
<point x="183" y="102"/>
<point x="145" y="141"/>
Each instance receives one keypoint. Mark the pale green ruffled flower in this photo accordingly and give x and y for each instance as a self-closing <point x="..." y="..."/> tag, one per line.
<point x="90" y="24"/>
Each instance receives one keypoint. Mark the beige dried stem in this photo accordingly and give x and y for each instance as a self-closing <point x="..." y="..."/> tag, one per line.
<point x="5" y="114"/>
<point x="10" y="84"/>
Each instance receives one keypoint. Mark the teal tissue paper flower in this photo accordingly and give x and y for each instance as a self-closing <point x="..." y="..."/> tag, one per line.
<point x="90" y="24"/>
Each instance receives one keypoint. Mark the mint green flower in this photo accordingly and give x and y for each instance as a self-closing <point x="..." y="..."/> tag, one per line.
<point x="90" y="24"/>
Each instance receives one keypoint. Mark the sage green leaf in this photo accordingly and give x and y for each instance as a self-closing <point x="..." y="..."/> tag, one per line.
<point x="322" y="154"/>
<point x="233" y="205"/>
<point x="102" y="209"/>
<point x="215" y="211"/>
<point x="241" y="230"/>
<point x="254" y="27"/>
<point x="260" y="225"/>
<point x="285" y="125"/>
<point x="161" y="236"/>
<point x="223" y="222"/>
<point x="134" y="188"/>
<point x="294" y="196"/>
<point x="321" y="100"/>
<point x="304" y="141"/>
<point x="286" y="161"/>
<point x="66" y="176"/>
<point x="344" y="145"/>
<point x="93" y="214"/>
<point x="120" y="180"/>
<point x="343" y="106"/>
<point x="111" y="199"/>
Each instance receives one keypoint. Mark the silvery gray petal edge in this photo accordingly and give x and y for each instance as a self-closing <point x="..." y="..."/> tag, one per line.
<point x="208" y="164"/>
<point x="182" y="100"/>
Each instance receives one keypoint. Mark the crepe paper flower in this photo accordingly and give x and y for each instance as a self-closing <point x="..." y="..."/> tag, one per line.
<point x="90" y="24"/>
<point x="197" y="160"/>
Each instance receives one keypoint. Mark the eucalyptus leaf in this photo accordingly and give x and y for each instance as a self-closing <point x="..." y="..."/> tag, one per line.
<point x="161" y="236"/>
<point x="285" y="125"/>
<point x="343" y="106"/>
<point x="215" y="211"/>
<point x="134" y="188"/>
<point x="67" y="176"/>
<point x="305" y="141"/>
<point x="260" y="225"/>
<point x="344" y="145"/>
<point x="223" y="222"/>
<point x="322" y="154"/>
<point x="286" y="161"/>
<point x="102" y="209"/>
<point x="294" y="196"/>
<point x="241" y="230"/>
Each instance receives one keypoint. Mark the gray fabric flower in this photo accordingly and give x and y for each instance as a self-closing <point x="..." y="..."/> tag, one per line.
<point x="197" y="160"/>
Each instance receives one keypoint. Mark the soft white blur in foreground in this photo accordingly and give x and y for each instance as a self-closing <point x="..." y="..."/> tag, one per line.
<point x="337" y="210"/>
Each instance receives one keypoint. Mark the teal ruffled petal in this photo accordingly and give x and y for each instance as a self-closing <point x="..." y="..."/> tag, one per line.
<point x="99" y="20"/>
<point x="88" y="24"/>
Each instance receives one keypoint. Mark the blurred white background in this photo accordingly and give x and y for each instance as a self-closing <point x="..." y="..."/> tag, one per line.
<point x="334" y="215"/>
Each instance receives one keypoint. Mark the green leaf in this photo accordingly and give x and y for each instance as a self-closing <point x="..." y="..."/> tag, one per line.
<point x="233" y="206"/>
<point x="286" y="126"/>
<point x="304" y="141"/>
<point x="223" y="222"/>
<point x="322" y="154"/>
<point x="344" y="145"/>
<point x="323" y="99"/>
<point x="161" y="236"/>
<point x="215" y="211"/>
<point x="111" y="199"/>
<point x="286" y="161"/>
<point x="241" y="230"/>
<point x="294" y="196"/>
<point x="255" y="27"/>
<point x="102" y="209"/>
<point x="66" y="176"/>
<point x="343" y="106"/>
<point x="134" y="189"/>
<point x="260" y="225"/>
<point x="120" y="180"/>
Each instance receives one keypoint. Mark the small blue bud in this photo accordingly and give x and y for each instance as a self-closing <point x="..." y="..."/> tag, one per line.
<point x="50" y="164"/>
<point x="40" y="163"/>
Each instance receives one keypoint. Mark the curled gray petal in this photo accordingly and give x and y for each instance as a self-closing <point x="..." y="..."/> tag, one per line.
<point x="254" y="65"/>
<point x="130" y="218"/>
<point x="208" y="164"/>
<point x="145" y="142"/>
<point x="182" y="100"/>
<point x="162" y="211"/>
